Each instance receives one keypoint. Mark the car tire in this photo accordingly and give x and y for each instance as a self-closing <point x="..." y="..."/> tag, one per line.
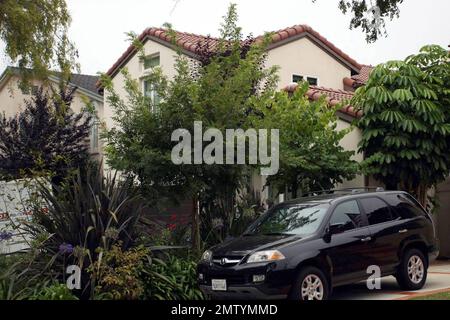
<point x="310" y="284"/>
<point x="412" y="272"/>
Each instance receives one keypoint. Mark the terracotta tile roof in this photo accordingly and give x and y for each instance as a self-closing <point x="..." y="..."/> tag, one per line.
<point x="305" y="30"/>
<point x="192" y="43"/>
<point x="333" y="97"/>
<point x="359" y="79"/>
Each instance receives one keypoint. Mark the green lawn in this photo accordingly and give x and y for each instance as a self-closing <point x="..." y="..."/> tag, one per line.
<point x="437" y="296"/>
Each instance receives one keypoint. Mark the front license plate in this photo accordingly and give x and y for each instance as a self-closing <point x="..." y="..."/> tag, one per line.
<point x="219" y="285"/>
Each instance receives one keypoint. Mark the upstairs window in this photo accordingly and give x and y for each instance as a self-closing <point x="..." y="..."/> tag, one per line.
<point x="297" y="78"/>
<point x="313" y="81"/>
<point x="150" y="91"/>
<point x="29" y="90"/>
<point x="151" y="61"/>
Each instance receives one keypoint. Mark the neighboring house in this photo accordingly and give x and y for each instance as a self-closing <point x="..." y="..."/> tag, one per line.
<point x="300" y="52"/>
<point x="12" y="97"/>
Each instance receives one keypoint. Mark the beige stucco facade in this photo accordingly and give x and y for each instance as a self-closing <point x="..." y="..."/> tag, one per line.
<point x="304" y="57"/>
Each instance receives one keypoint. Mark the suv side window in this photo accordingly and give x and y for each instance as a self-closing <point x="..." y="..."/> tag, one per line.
<point x="377" y="210"/>
<point x="404" y="206"/>
<point x="346" y="216"/>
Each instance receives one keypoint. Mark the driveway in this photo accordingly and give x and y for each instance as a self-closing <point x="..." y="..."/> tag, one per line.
<point x="438" y="280"/>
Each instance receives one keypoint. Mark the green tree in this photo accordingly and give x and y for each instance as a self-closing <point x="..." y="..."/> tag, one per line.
<point x="35" y="34"/>
<point x="311" y="157"/>
<point x="220" y="92"/>
<point x="406" y="121"/>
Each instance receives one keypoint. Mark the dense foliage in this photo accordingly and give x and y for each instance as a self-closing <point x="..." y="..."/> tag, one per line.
<point x="35" y="34"/>
<point x="220" y="93"/>
<point x="311" y="157"/>
<point x="46" y="138"/>
<point x="406" y="122"/>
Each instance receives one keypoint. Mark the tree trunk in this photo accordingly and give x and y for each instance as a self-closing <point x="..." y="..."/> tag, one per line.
<point x="195" y="232"/>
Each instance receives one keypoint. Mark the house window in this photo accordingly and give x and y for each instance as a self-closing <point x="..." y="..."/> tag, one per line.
<point x="296" y="78"/>
<point x="29" y="90"/>
<point x="313" y="81"/>
<point x="94" y="136"/>
<point x="151" y="62"/>
<point x="151" y="92"/>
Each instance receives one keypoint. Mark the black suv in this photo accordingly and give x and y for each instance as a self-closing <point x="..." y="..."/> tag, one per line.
<point x="303" y="248"/>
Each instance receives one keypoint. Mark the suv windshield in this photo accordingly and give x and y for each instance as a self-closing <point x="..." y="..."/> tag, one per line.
<point x="299" y="219"/>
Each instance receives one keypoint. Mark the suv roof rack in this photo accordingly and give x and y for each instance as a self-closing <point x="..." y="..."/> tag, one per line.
<point x="344" y="190"/>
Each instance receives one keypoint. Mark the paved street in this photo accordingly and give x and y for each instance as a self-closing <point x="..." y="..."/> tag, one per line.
<point x="438" y="280"/>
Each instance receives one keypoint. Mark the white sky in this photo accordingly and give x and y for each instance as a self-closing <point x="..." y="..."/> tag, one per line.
<point x="99" y="26"/>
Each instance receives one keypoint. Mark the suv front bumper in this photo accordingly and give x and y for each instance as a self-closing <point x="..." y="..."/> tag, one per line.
<point x="247" y="292"/>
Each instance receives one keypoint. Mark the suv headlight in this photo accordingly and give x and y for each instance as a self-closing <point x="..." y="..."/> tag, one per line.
<point x="207" y="256"/>
<point x="266" y="256"/>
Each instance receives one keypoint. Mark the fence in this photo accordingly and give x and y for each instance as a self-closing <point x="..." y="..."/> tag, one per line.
<point x="15" y="210"/>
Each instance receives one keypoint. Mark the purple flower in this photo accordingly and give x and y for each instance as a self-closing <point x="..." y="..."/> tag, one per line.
<point x="5" y="236"/>
<point x="65" y="248"/>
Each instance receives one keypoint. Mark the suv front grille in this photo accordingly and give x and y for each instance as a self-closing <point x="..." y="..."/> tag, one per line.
<point x="226" y="261"/>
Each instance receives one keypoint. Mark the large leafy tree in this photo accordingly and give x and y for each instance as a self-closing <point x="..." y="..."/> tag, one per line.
<point x="220" y="91"/>
<point x="406" y="121"/>
<point x="311" y="157"/>
<point x="46" y="138"/>
<point x="35" y="33"/>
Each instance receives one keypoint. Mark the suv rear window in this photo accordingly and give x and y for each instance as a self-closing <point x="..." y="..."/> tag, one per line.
<point x="377" y="210"/>
<point x="404" y="206"/>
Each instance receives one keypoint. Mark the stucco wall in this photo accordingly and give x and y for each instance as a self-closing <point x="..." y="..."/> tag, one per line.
<point x="305" y="58"/>
<point x="350" y="142"/>
<point x="136" y="69"/>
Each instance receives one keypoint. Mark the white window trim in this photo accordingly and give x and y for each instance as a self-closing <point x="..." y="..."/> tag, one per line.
<point x="149" y="56"/>
<point x="305" y="77"/>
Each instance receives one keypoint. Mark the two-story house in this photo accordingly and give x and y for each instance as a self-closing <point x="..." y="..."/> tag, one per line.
<point x="300" y="53"/>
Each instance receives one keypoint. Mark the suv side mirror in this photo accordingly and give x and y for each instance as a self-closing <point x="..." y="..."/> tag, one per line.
<point x="327" y="235"/>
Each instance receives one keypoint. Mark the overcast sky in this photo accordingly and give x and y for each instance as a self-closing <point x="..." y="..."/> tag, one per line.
<point x="99" y="26"/>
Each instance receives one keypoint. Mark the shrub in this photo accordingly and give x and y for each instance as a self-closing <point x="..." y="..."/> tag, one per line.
<point x="171" y="279"/>
<point x="54" y="292"/>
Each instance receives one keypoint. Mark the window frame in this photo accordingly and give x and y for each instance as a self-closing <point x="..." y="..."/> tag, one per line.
<point x="365" y="213"/>
<point x="305" y="78"/>
<point x="150" y="56"/>
<point x="365" y="222"/>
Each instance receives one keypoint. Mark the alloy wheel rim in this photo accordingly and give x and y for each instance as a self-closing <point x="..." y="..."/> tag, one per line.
<point x="312" y="288"/>
<point x="416" y="269"/>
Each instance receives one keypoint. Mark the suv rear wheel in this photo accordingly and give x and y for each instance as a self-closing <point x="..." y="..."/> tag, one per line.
<point x="310" y="284"/>
<point x="412" y="272"/>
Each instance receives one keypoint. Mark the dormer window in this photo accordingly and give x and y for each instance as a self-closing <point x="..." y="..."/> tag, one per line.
<point x="313" y="81"/>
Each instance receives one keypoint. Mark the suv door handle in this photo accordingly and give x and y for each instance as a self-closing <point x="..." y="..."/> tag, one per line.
<point x="366" y="239"/>
<point x="403" y="231"/>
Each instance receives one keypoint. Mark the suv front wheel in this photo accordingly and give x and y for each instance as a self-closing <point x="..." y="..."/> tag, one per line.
<point x="412" y="272"/>
<point x="311" y="284"/>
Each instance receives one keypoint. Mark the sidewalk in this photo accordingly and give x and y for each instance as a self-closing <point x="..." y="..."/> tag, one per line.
<point x="438" y="281"/>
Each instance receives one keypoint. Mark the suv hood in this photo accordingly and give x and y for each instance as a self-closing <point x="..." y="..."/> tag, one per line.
<point x="245" y="244"/>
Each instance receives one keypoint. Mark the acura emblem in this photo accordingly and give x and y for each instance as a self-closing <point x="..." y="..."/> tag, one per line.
<point x="223" y="261"/>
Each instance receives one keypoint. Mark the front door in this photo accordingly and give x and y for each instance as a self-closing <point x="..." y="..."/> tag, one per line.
<point x="349" y="249"/>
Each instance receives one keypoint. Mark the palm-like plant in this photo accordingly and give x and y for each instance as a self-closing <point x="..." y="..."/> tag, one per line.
<point x="82" y="215"/>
